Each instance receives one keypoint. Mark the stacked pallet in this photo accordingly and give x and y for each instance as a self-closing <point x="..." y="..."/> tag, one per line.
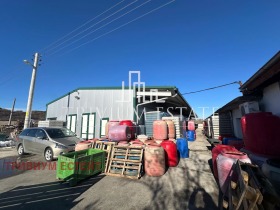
<point x="220" y="125"/>
<point x="126" y="161"/>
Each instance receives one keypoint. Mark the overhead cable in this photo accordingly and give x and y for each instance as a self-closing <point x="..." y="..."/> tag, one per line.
<point x="236" y="82"/>
<point x="63" y="37"/>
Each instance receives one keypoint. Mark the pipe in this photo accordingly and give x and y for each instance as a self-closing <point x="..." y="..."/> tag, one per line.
<point x="152" y="102"/>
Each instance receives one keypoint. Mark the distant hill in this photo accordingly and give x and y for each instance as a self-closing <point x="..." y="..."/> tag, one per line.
<point x="20" y="115"/>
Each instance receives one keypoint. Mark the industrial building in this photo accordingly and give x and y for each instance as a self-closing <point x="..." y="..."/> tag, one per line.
<point x="87" y="110"/>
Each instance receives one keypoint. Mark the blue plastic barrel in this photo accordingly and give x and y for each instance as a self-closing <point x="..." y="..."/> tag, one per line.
<point x="190" y="135"/>
<point x="184" y="134"/>
<point x="182" y="147"/>
<point x="226" y="140"/>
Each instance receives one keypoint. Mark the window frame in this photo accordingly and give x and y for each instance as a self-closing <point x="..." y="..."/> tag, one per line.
<point x="93" y="131"/>
<point x="100" y="131"/>
<point x="71" y="115"/>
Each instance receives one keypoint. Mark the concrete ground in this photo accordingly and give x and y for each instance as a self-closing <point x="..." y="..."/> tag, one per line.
<point x="190" y="185"/>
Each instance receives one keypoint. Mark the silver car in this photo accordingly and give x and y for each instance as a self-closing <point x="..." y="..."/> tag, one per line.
<point x="51" y="142"/>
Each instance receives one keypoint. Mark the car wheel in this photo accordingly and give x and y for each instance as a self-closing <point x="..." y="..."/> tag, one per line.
<point x="48" y="154"/>
<point x="20" y="150"/>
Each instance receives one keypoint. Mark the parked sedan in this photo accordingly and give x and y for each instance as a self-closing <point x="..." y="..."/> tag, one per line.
<point x="51" y="142"/>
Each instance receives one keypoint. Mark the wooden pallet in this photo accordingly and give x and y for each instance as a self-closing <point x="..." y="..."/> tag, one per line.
<point x="107" y="147"/>
<point x="126" y="161"/>
<point x="245" y="191"/>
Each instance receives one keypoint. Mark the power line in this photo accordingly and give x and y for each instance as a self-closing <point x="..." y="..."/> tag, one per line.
<point x="54" y="43"/>
<point x="153" y="10"/>
<point x="101" y="26"/>
<point x="59" y="49"/>
<point x="236" y="82"/>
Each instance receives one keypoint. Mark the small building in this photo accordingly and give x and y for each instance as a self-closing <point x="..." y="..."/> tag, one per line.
<point x="263" y="87"/>
<point x="87" y="110"/>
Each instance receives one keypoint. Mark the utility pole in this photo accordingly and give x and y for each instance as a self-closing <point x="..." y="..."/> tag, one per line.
<point x="10" y="119"/>
<point x="31" y="90"/>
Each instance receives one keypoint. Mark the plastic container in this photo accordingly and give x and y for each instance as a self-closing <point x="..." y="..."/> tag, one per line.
<point x="261" y="133"/>
<point x="75" y="166"/>
<point x="221" y="137"/>
<point x="227" y="139"/>
<point x="271" y="169"/>
<point x="182" y="147"/>
<point x="191" y="125"/>
<point x="130" y="124"/>
<point x="218" y="149"/>
<point x="137" y="143"/>
<point x="225" y="160"/>
<point x="171" y="129"/>
<point x="83" y="145"/>
<point x="119" y="133"/>
<point x="160" y="130"/>
<point x="171" y="152"/>
<point x="123" y="143"/>
<point x="110" y="124"/>
<point x="257" y="159"/>
<point x="238" y="144"/>
<point x="191" y="135"/>
<point x="154" y="157"/>
<point x="142" y="138"/>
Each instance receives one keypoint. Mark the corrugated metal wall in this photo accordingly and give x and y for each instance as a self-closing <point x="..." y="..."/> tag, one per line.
<point x="114" y="104"/>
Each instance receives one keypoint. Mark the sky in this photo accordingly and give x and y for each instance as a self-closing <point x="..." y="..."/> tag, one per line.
<point x="190" y="44"/>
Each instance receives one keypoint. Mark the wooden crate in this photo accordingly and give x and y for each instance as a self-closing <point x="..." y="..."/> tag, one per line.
<point x="126" y="161"/>
<point x="107" y="147"/>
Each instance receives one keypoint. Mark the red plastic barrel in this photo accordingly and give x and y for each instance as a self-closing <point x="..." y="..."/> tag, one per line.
<point x="171" y="151"/>
<point x="238" y="144"/>
<point x="160" y="130"/>
<point x="218" y="150"/>
<point x="83" y="145"/>
<point x="225" y="160"/>
<point x="191" y="125"/>
<point x="119" y="133"/>
<point x="130" y="124"/>
<point x="110" y="124"/>
<point x="261" y="133"/>
<point x="171" y="129"/>
<point x="154" y="157"/>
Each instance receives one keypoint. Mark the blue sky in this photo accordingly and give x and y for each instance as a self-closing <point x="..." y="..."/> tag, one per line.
<point x="189" y="44"/>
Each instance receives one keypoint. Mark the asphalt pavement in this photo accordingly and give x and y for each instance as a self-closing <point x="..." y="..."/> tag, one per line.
<point x="190" y="185"/>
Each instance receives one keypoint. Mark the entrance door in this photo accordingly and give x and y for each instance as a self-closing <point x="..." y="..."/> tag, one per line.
<point x="88" y="125"/>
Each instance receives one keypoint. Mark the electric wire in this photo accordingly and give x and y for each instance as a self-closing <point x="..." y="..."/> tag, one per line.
<point x="59" y="49"/>
<point x="153" y="10"/>
<point x="100" y="27"/>
<point x="198" y="91"/>
<point x="76" y="29"/>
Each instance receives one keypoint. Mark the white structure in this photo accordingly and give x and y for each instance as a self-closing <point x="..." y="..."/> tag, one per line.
<point x="261" y="91"/>
<point x="86" y="110"/>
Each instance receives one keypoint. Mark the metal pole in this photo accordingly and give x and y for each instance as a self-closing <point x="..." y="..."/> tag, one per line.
<point x="10" y="119"/>
<point x="31" y="92"/>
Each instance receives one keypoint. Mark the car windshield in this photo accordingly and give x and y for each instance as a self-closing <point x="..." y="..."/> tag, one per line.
<point x="59" y="132"/>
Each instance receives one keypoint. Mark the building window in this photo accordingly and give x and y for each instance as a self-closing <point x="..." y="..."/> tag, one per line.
<point x="103" y="122"/>
<point x="52" y="118"/>
<point x="88" y="125"/>
<point x="71" y="122"/>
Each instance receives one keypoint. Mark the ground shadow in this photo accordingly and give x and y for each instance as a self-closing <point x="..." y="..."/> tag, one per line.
<point x="200" y="199"/>
<point x="52" y="195"/>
